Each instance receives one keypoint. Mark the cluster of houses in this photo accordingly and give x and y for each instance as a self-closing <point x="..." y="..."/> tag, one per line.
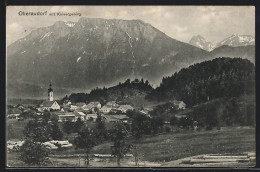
<point x="14" y="112"/>
<point x="111" y="112"/>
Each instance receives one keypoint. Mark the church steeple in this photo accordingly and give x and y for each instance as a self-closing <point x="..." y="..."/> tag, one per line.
<point x="50" y="93"/>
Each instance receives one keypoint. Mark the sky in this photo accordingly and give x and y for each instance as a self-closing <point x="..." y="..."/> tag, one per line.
<point x="179" y="22"/>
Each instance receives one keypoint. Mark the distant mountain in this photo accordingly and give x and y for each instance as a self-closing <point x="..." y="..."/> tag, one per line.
<point x="236" y="40"/>
<point x="244" y="52"/>
<point x="201" y="42"/>
<point x="220" y="77"/>
<point x="94" y="52"/>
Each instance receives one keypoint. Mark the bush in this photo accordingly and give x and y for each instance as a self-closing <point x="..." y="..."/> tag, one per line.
<point x="167" y="129"/>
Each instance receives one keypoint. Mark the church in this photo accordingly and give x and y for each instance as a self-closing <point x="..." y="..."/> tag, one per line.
<point x="50" y="104"/>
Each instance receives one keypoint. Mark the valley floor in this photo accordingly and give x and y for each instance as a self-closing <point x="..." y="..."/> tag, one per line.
<point x="169" y="150"/>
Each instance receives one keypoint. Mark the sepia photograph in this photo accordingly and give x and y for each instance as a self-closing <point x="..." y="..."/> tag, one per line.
<point x="130" y="86"/>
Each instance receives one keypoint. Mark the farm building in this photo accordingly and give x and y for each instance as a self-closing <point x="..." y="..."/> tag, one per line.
<point x="105" y="109"/>
<point x="91" y="117"/>
<point x="115" y="118"/>
<point x="124" y="108"/>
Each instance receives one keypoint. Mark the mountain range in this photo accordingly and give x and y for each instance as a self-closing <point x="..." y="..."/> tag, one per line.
<point x="234" y="40"/>
<point x="79" y="56"/>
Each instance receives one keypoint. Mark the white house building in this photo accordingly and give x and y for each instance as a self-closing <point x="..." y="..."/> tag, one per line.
<point x="105" y="109"/>
<point x="50" y="104"/>
<point x="124" y="108"/>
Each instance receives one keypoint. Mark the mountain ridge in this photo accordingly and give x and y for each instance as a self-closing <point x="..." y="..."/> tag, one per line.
<point x="95" y="52"/>
<point x="235" y="40"/>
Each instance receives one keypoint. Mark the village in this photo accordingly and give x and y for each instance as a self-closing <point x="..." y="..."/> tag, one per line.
<point x="111" y="112"/>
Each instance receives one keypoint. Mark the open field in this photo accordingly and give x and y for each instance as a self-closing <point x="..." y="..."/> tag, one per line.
<point x="163" y="148"/>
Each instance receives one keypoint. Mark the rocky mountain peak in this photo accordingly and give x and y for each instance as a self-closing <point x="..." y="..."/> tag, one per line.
<point x="200" y="42"/>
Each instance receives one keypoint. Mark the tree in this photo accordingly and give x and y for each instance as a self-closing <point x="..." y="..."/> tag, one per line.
<point x="100" y="129"/>
<point x="78" y="125"/>
<point x="140" y="125"/>
<point x="26" y="114"/>
<point x="86" y="139"/>
<point x="174" y="121"/>
<point x="68" y="127"/>
<point x="156" y="124"/>
<point x="56" y="132"/>
<point x="38" y="131"/>
<point x="185" y="122"/>
<point x="120" y="147"/>
<point x="46" y="116"/>
<point x="33" y="153"/>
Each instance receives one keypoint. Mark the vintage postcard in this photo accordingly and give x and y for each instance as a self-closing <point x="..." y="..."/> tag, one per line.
<point x="130" y="86"/>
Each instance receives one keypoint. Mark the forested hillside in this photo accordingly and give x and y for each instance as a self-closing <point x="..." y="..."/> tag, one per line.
<point x="120" y="92"/>
<point x="220" y="77"/>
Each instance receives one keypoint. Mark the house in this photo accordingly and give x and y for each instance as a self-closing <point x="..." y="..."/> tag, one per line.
<point x="13" y="113"/>
<point x="124" y="108"/>
<point x="179" y="104"/>
<point x="73" y="107"/>
<point x="115" y="118"/>
<point x="66" y="103"/>
<point x="122" y="118"/>
<point x="91" y="117"/>
<point x="21" y="107"/>
<point x="50" y="105"/>
<point x="109" y="119"/>
<point x="145" y="112"/>
<point x="80" y="104"/>
<point x="69" y="116"/>
<point x="80" y="115"/>
<point x="180" y="116"/>
<point x="105" y="109"/>
<point x="92" y="105"/>
<point x="112" y="104"/>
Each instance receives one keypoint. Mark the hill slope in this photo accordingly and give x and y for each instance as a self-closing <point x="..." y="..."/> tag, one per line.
<point x="208" y="80"/>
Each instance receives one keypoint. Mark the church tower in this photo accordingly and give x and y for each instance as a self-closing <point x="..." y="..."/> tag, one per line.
<point x="50" y="94"/>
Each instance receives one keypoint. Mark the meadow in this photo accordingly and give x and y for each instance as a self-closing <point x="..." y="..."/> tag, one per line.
<point x="168" y="147"/>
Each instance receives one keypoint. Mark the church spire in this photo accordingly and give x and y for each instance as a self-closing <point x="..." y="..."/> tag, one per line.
<point x="50" y="93"/>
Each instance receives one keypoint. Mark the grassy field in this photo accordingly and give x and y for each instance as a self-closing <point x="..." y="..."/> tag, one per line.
<point x="168" y="147"/>
<point x="172" y="146"/>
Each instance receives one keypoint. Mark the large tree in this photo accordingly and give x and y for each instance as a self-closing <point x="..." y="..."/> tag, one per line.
<point x="56" y="131"/>
<point x="119" y="135"/>
<point x="86" y="139"/>
<point x="100" y="129"/>
<point x="141" y="125"/>
<point x="68" y="127"/>
<point x="38" y="131"/>
<point x="79" y="124"/>
<point x="34" y="153"/>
